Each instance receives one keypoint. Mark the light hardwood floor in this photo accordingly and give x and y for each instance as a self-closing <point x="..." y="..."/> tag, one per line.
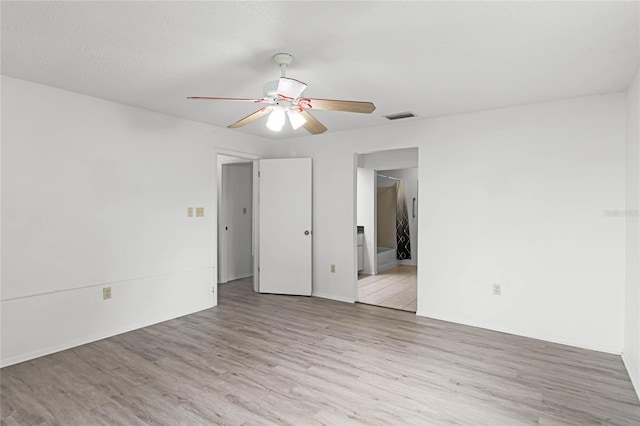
<point x="266" y="359"/>
<point x="393" y="288"/>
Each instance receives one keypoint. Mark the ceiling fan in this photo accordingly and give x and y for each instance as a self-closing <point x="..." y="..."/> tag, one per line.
<point x="283" y="98"/>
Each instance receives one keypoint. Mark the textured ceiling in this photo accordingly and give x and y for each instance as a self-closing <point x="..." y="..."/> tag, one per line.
<point x="432" y="58"/>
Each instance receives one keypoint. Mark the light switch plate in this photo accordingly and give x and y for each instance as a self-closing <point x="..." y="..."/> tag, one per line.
<point x="244" y="210"/>
<point x="106" y="293"/>
<point x="199" y="211"/>
<point x="190" y="212"/>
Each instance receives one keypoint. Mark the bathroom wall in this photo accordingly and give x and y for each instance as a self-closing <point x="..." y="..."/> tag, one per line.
<point x="386" y="215"/>
<point x="410" y="178"/>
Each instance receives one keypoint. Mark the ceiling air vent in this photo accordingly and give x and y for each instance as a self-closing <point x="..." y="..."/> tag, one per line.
<point x="399" y="115"/>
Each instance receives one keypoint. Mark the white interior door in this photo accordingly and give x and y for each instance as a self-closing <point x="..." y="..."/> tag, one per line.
<point x="285" y="226"/>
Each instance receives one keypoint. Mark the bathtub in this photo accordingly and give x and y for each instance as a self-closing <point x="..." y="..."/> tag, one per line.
<point x="386" y="258"/>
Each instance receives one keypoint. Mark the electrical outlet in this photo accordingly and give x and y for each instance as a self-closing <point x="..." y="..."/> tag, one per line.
<point x="333" y="268"/>
<point x="106" y="293"/>
<point x="190" y="212"/>
<point x="199" y="211"/>
<point x="497" y="289"/>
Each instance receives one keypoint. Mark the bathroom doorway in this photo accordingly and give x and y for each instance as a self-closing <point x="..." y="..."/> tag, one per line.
<point x="387" y="229"/>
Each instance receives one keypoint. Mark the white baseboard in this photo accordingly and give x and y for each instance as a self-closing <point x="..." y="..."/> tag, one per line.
<point x="518" y="333"/>
<point x="239" y="277"/>
<point x="633" y="374"/>
<point x="387" y="266"/>
<point x="332" y="297"/>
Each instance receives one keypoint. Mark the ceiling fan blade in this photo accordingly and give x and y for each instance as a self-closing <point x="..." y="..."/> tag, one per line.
<point x="290" y="89"/>
<point x="312" y="125"/>
<point x="206" y="98"/>
<point x="338" y="105"/>
<point x="250" y="118"/>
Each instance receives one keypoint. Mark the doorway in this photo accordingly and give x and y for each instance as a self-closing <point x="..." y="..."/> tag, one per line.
<point x="236" y="210"/>
<point x="264" y="239"/>
<point x="387" y="229"/>
<point x="235" y="242"/>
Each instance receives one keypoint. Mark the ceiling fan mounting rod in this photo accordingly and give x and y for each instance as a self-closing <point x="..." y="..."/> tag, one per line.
<point x="283" y="60"/>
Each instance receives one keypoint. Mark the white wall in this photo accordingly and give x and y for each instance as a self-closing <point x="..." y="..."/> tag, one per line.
<point x="392" y="158"/>
<point x="631" y="351"/>
<point x="95" y="194"/>
<point x="515" y="196"/>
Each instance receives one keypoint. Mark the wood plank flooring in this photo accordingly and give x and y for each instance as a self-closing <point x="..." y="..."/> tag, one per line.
<point x="394" y="288"/>
<point x="266" y="359"/>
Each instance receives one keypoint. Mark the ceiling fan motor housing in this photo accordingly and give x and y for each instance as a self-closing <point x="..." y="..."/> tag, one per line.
<point x="270" y="90"/>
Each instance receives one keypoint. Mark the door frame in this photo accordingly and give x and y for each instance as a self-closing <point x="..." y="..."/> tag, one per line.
<point x="355" y="228"/>
<point x="244" y="157"/>
<point x="223" y="219"/>
<point x="393" y="164"/>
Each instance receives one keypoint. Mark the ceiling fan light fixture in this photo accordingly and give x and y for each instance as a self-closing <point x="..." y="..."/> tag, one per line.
<point x="296" y="119"/>
<point x="276" y="119"/>
<point x="283" y="98"/>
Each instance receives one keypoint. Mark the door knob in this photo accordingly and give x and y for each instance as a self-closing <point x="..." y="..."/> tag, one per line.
<point x="306" y="232"/>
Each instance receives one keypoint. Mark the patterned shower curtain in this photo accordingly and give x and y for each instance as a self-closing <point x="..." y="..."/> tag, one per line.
<point x="403" y="250"/>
